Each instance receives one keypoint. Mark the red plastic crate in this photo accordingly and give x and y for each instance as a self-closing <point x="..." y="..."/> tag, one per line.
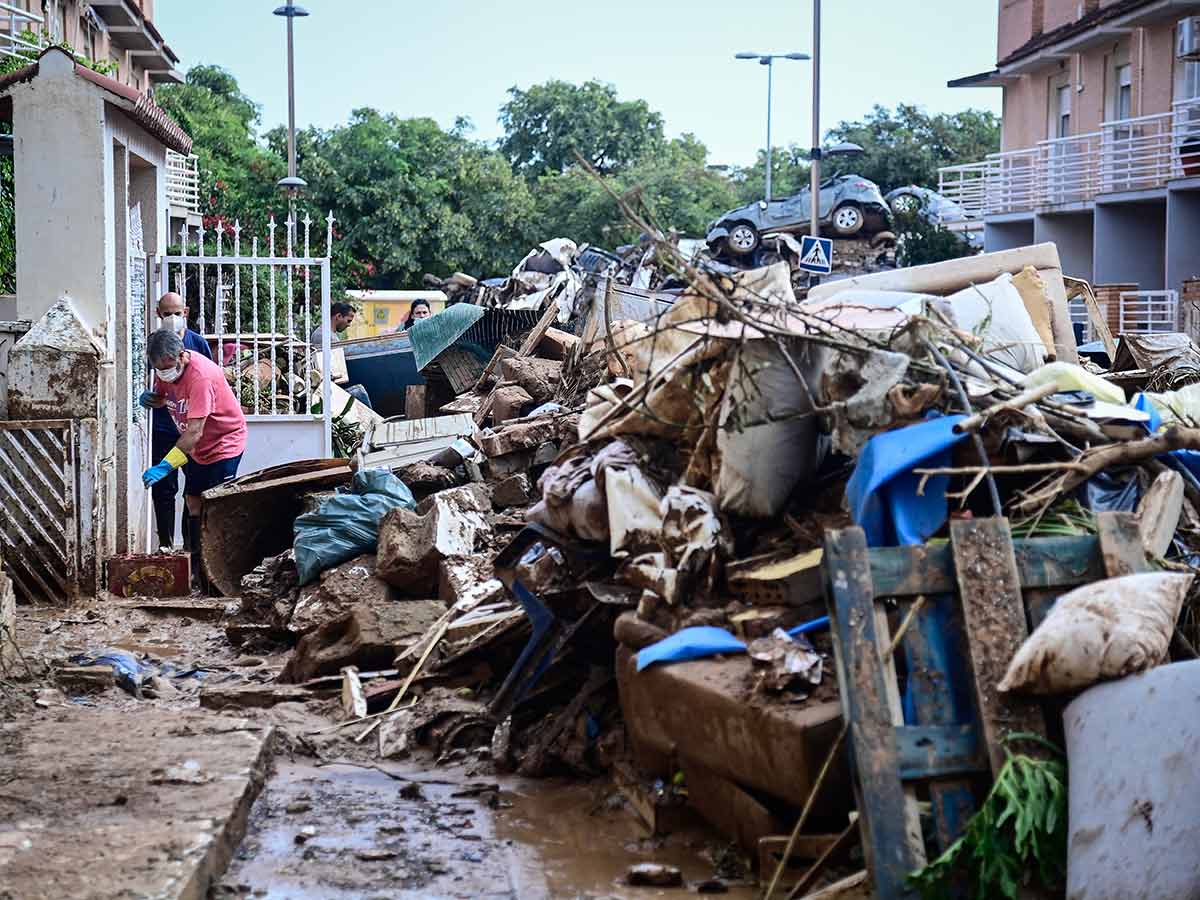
<point x="158" y="575"/>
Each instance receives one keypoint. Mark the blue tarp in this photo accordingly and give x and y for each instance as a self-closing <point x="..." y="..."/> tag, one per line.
<point x="883" y="489"/>
<point x="705" y="640"/>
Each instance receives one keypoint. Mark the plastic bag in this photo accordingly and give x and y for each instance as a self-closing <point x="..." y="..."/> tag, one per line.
<point x="1107" y="629"/>
<point x="348" y="525"/>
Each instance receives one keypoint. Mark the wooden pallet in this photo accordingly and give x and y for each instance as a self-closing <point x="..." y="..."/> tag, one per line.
<point x="983" y="592"/>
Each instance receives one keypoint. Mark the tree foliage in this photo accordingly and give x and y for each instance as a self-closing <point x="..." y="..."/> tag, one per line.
<point x="908" y="145"/>
<point x="412" y="198"/>
<point x="546" y="125"/>
<point x="237" y="174"/>
<point x="673" y="184"/>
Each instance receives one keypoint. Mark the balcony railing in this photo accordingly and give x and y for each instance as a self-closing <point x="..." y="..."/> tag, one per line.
<point x="1137" y="153"/>
<point x="13" y="21"/>
<point x="1124" y="155"/>
<point x="183" y="182"/>
<point x="1067" y="169"/>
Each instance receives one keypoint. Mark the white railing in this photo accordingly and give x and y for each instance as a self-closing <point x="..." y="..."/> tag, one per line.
<point x="14" y="20"/>
<point x="1011" y="180"/>
<point x="260" y="311"/>
<point x="183" y="181"/>
<point x="1124" y="155"/>
<point x="1185" y="138"/>
<point x="1067" y="169"/>
<point x="966" y="186"/>
<point x="1136" y="153"/>
<point x="1149" y="312"/>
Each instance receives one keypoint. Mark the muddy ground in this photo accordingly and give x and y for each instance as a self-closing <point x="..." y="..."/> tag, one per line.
<point x="325" y="820"/>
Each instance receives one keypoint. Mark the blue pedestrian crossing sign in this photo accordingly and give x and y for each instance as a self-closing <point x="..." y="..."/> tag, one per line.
<point x="816" y="255"/>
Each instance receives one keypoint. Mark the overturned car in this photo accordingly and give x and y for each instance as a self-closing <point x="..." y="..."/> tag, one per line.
<point x="848" y="205"/>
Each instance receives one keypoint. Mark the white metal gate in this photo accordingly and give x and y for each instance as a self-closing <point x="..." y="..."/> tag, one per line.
<point x="39" y="496"/>
<point x="259" y="312"/>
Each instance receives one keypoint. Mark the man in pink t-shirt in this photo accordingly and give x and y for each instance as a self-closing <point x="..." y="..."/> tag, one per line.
<point x="212" y="428"/>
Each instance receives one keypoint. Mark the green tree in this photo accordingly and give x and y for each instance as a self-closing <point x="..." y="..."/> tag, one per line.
<point x="545" y="126"/>
<point x="908" y="145"/>
<point x="237" y="173"/>
<point x="412" y="198"/>
<point x="673" y="183"/>
<point x="789" y="174"/>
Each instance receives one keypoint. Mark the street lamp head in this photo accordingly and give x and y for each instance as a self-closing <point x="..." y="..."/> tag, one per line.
<point x="746" y="54"/>
<point x="291" y="10"/>
<point x="845" y="148"/>
<point x="798" y="56"/>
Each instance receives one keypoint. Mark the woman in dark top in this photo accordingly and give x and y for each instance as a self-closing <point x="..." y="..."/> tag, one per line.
<point x="419" y="309"/>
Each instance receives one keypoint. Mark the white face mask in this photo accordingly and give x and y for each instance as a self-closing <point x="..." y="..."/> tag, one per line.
<point x="177" y="323"/>
<point x="169" y="375"/>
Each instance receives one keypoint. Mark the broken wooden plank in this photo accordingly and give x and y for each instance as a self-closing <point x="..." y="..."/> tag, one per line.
<point x="255" y="696"/>
<point x="929" y="569"/>
<point x="890" y="853"/>
<point x="995" y="627"/>
<point x="462" y="368"/>
<point x="1121" y="544"/>
<point x="414" y="401"/>
<point x="354" y="704"/>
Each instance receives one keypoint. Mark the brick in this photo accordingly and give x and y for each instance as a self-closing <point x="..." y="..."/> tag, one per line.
<point x="539" y="377"/>
<point x="515" y="490"/>
<point x="556" y="344"/>
<point x="510" y="401"/>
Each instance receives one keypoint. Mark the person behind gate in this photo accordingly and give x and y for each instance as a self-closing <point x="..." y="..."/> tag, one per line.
<point x="173" y="313"/>
<point x="212" y="428"/>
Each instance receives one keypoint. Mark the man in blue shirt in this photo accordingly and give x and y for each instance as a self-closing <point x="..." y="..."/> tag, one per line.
<point x="174" y="314"/>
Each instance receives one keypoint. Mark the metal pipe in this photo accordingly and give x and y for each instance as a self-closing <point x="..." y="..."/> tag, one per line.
<point x="770" y="88"/>
<point x="815" y="184"/>
<point x="291" y="101"/>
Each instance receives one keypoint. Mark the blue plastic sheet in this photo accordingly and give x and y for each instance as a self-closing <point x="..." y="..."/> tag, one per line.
<point x="690" y="643"/>
<point x="883" y="489"/>
<point x="1186" y="462"/>
<point x="706" y="640"/>
<point x="348" y="525"/>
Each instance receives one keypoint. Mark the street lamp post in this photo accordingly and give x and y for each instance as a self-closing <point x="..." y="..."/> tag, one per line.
<point x="768" y="60"/>
<point x="293" y="182"/>
<point x="815" y="159"/>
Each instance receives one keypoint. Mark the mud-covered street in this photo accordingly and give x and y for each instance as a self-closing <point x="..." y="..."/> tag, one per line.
<point x="105" y="794"/>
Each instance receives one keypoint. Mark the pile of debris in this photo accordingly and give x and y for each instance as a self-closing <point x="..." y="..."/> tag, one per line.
<point x="636" y="482"/>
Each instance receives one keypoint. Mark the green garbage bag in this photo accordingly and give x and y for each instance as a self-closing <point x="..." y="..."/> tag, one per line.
<point x="347" y="525"/>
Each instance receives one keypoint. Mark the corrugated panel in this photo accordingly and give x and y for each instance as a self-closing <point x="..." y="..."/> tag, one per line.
<point x="39" y="525"/>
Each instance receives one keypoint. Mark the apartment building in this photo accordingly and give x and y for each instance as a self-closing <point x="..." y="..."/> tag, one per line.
<point x="120" y="31"/>
<point x="1101" y="138"/>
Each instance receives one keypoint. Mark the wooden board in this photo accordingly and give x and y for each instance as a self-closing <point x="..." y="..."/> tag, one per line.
<point x="995" y="627"/>
<point x="889" y="854"/>
<point x="462" y="368"/>
<point x="414" y="401"/>
<point x="1121" y="544"/>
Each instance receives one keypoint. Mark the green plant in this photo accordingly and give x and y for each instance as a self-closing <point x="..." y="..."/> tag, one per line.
<point x="1018" y="835"/>
<point x="920" y="241"/>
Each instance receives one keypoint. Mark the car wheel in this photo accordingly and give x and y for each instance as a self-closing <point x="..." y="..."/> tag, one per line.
<point x="847" y="219"/>
<point x="743" y="239"/>
<point x="905" y="203"/>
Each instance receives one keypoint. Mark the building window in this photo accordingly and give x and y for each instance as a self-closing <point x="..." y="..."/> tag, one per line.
<point x="1191" y="81"/>
<point x="1123" y="102"/>
<point x="1062" y="123"/>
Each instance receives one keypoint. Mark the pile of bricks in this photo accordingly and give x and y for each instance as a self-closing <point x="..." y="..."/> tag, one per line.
<point x="1189" y="309"/>
<point x="1109" y="298"/>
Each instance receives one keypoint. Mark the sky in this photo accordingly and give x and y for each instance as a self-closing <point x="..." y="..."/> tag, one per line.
<point x="459" y="58"/>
